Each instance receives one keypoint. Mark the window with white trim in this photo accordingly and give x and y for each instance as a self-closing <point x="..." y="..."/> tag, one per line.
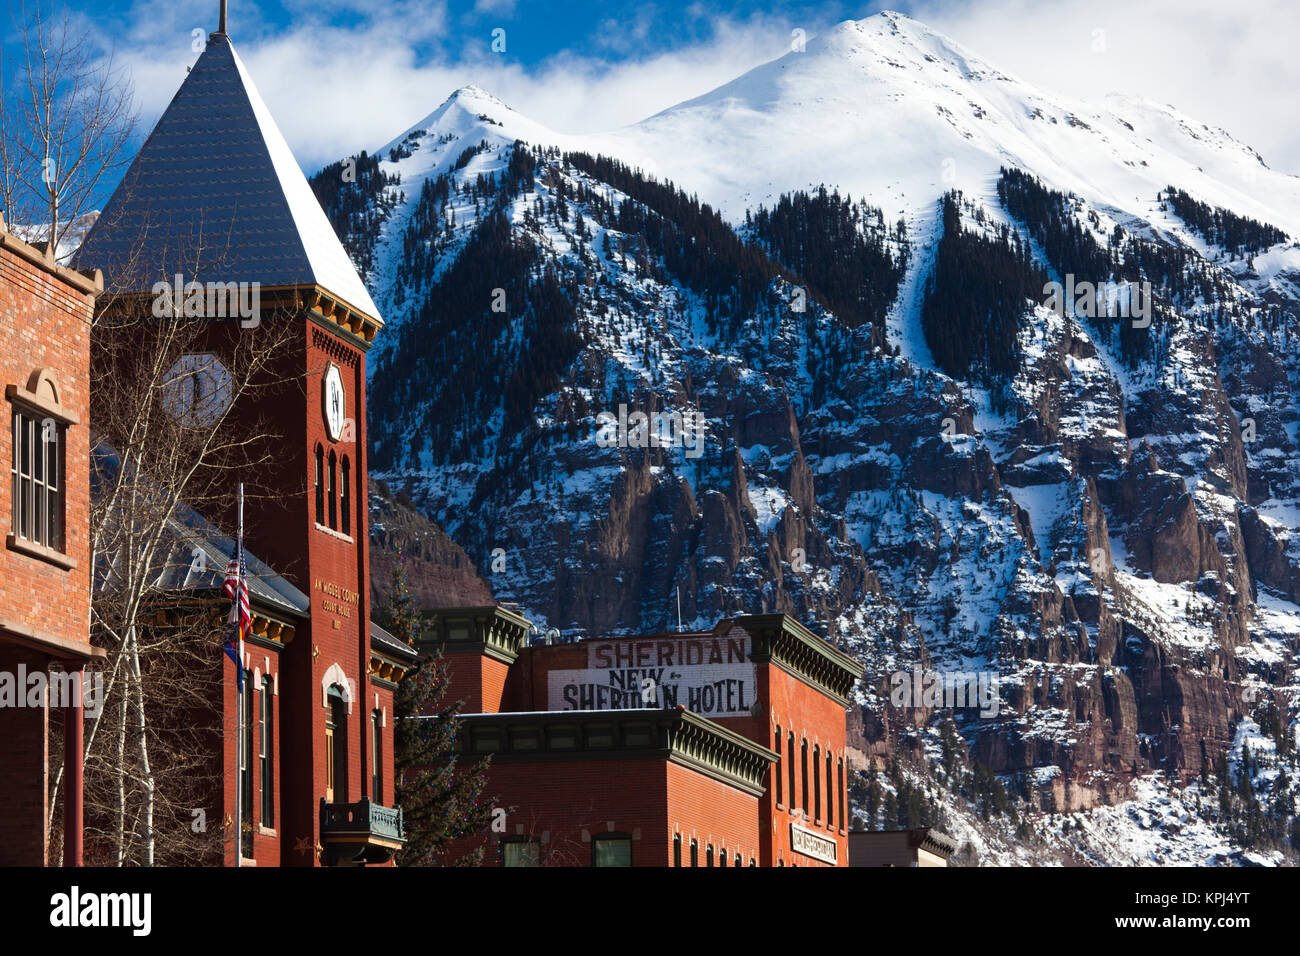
<point x="37" y="471"/>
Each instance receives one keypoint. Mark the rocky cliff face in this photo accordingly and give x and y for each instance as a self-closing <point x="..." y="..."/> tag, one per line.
<point x="618" y="405"/>
<point x="438" y="571"/>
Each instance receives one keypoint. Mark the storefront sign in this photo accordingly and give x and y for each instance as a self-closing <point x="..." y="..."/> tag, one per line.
<point x="811" y="844"/>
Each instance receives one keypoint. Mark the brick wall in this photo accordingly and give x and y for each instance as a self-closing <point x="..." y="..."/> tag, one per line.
<point x="811" y="716"/>
<point x="565" y="804"/>
<point x="44" y="324"/>
<point x="795" y="705"/>
<point x="330" y="567"/>
<point x="478" y="680"/>
<point x="24" y="751"/>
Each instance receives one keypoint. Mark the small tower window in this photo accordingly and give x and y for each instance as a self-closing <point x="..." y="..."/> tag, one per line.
<point x="345" y="499"/>
<point x="332" y="492"/>
<point x="320" y="485"/>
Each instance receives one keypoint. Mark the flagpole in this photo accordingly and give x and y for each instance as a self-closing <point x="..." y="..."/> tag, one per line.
<point x="239" y="696"/>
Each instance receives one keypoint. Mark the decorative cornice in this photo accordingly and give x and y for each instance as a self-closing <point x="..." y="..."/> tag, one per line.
<point x="337" y="313"/>
<point x="678" y="736"/>
<point x="323" y="308"/>
<point x="781" y="640"/>
<point x="386" y="670"/>
<point x="266" y="631"/>
<point x="490" y="630"/>
<point x="932" y="840"/>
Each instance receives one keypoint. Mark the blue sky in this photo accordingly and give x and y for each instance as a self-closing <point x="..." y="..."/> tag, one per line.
<point x="343" y="75"/>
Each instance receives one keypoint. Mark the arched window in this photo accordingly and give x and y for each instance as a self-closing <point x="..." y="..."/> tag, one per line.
<point x="817" y="783"/>
<point x="345" y="499"/>
<point x="791" y="798"/>
<point x="840" y="790"/>
<point x="677" y="849"/>
<point x="776" y="770"/>
<point x="246" y="767"/>
<point x="266" y="751"/>
<point x="804" y="755"/>
<point x="40" y="427"/>
<point x="377" y="756"/>
<point x="736" y="858"/>
<point x="336" y="747"/>
<point x="320" y="485"/>
<point x="830" y="793"/>
<point x="695" y="853"/>
<point x="332" y="492"/>
<point x="708" y="855"/>
<point x="722" y="857"/>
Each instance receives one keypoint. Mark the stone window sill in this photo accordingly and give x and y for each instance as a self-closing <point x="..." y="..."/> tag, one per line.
<point x="335" y="534"/>
<point x="40" y="552"/>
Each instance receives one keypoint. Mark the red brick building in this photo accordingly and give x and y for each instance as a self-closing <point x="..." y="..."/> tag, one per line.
<point x="215" y="183"/>
<point x="45" y="313"/>
<point x="684" y="749"/>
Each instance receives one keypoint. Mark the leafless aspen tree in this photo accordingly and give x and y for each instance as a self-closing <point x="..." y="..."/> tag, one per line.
<point x="66" y="124"/>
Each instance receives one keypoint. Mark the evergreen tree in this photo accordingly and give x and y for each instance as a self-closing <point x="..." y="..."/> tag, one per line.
<point x="440" y="800"/>
<point x="873" y="797"/>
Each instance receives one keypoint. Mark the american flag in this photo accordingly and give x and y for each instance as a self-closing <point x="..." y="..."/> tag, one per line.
<point x="240" y="613"/>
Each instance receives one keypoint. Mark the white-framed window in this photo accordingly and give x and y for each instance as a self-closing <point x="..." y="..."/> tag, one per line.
<point x="37" y="472"/>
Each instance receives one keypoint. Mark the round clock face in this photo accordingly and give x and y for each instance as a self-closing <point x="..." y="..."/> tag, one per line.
<point x="334" y="402"/>
<point x="197" y="389"/>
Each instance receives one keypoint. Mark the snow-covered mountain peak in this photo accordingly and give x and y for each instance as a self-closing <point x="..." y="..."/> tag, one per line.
<point x="472" y="113"/>
<point x="895" y="40"/>
<point x="897" y="113"/>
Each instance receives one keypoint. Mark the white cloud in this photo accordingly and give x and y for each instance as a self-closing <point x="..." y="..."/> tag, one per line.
<point x="336" y="89"/>
<point x="499" y="8"/>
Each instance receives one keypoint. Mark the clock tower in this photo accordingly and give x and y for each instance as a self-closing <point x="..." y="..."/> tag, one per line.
<point x="217" y="172"/>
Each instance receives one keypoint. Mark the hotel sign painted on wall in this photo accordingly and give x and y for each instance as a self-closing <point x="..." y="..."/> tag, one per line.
<point x="711" y="676"/>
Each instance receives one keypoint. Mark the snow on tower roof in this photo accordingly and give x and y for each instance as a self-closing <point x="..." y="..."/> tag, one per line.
<point x="215" y="194"/>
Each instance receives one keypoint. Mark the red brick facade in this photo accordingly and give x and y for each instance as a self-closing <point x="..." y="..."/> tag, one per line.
<point x="331" y="647"/>
<point x="45" y="314"/>
<point x="798" y="698"/>
<point x="567" y="806"/>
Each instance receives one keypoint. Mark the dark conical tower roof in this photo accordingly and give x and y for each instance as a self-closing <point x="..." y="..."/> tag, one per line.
<point x="215" y="194"/>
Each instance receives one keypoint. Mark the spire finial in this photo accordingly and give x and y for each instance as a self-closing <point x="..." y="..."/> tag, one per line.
<point x="221" y="23"/>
